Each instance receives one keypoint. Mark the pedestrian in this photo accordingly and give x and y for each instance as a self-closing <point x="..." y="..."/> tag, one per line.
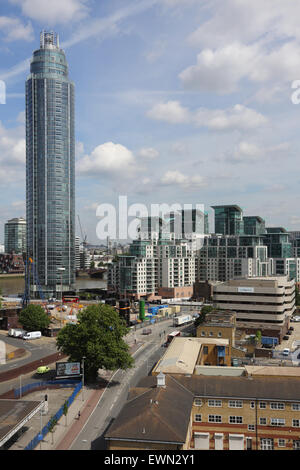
<point x="78" y="414"/>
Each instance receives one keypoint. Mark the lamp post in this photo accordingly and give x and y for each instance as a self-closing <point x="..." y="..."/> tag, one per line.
<point x="83" y="358"/>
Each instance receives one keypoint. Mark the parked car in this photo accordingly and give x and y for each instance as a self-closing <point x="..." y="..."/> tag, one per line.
<point x="42" y="370"/>
<point x="289" y="333"/>
<point x="298" y="357"/>
<point x="286" y="352"/>
<point x="285" y="337"/>
<point x="291" y="328"/>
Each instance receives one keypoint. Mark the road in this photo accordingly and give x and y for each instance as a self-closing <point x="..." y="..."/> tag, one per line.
<point x="114" y="397"/>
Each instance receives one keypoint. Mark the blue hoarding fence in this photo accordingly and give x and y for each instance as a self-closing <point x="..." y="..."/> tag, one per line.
<point x="40" y="436"/>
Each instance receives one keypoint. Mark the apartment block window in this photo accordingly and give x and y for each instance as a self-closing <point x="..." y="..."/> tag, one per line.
<point x="251" y="427"/>
<point x="277" y="422"/>
<point x="296" y="423"/>
<point x="262" y="405"/>
<point x="216" y="403"/>
<point x="263" y="421"/>
<point x="205" y="349"/>
<point x="296" y="445"/>
<point x="198" y="402"/>
<point x="277" y="406"/>
<point x="198" y="418"/>
<point x="252" y="404"/>
<point x="267" y="444"/>
<point x="214" y="419"/>
<point x="281" y="442"/>
<point x="295" y="406"/>
<point x="235" y="404"/>
<point x="235" y="419"/>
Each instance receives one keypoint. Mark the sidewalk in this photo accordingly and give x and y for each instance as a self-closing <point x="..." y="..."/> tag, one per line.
<point x="68" y="427"/>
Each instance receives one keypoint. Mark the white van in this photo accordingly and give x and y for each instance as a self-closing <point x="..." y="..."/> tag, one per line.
<point x="32" y="335"/>
<point x="286" y="352"/>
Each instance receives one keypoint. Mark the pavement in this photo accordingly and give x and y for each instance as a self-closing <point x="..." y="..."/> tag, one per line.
<point x="68" y="427"/>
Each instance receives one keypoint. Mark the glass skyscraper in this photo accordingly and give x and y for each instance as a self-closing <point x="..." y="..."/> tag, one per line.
<point x="229" y="220"/>
<point x="50" y="169"/>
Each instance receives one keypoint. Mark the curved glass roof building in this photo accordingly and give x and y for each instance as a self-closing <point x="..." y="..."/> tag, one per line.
<point x="50" y="169"/>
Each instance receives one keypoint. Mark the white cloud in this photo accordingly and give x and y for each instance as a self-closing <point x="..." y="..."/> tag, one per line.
<point x="109" y="158"/>
<point x="148" y="153"/>
<point x="245" y="152"/>
<point x="54" y="11"/>
<point x="238" y="117"/>
<point x="12" y="154"/>
<point x="248" y="20"/>
<point x="175" y="177"/>
<point x="13" y="29"/>
<point x="171" y="112"/>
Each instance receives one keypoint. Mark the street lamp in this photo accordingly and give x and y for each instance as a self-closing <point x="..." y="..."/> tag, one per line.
<point x="83" y="358"/>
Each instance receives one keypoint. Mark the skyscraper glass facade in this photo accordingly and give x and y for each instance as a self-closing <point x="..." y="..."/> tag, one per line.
<point x="228" y="220"/>
<point x="50" y="167"/>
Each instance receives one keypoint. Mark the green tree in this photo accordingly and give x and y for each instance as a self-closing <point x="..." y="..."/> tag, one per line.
<point x="65" y="410"/>
<point x="98" y="337"/>
<point x="51" y="427"/>
<point x="34" y="318"/>
<point x="204" y="311"/>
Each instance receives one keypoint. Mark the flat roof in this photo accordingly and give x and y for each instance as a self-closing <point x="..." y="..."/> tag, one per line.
<point x="273" y="371"/>
<point x="13" y="416"/>
<point x="182" y="354"/>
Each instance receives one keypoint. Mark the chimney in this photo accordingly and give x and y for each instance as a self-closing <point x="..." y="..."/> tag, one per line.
<point x="161" y="380"/>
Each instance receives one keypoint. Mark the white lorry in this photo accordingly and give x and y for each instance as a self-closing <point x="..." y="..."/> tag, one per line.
<point x="16" y="332"/>
<point x="182" y="320"/>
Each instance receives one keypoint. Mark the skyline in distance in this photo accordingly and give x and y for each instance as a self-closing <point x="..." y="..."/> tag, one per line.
<point x="167" y="109"/>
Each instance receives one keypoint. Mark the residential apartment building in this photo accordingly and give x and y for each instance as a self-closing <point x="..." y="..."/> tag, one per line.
<point x="224" y="257"/>
<point x="15" y="236"/>
<point x="210" y="412"/>
<point x="151" y="265"/>
<point x="257" y="300"/>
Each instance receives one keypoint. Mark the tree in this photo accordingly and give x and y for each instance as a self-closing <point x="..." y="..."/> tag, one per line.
<point x="204" y="311"/>
<point x="65" y="410"/>
<point x="98" y="337"/>
<point x="34" y="318"/>
<point x="51" y="426"/>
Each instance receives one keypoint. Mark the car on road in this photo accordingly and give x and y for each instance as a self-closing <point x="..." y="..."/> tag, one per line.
<point x="286" y="352"/>
<point x="42" y="370"/>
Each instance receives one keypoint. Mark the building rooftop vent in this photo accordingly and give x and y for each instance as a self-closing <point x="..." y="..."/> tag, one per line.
<point x="161" y="380"/>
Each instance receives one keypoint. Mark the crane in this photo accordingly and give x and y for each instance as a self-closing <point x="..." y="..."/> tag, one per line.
<point x="84" y="237"/>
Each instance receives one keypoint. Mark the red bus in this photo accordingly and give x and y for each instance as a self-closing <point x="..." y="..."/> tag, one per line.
<point x="70" y="299"/>
<point x="172" y="335"/>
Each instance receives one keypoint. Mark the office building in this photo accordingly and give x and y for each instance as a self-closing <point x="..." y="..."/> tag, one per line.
<point x="260" y="300"/>
<point x="15" y="236"/>
<point x="50" y="168"/>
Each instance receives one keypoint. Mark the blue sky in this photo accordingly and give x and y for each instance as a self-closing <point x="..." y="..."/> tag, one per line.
<point x="177" y="101"/>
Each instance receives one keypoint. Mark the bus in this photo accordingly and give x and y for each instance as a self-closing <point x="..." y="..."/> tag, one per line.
<point x="70" y="299"/>
<point x="172" y="335"/>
